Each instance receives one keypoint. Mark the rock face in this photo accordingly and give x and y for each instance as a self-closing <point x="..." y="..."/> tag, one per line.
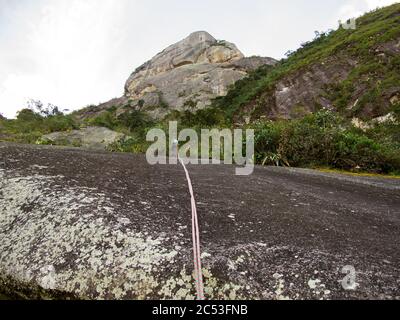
<point x="186" y="76"/>
<point x="301" y="92"/>
<point x="99" y="225"/>
<point x="96" y="138"/>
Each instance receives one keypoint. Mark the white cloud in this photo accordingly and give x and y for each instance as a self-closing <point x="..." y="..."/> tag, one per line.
<point x="373" y="4"/>
<point x="355" y="8"/>
<point x="16" y="90"/>
<point x="65" y="48"/>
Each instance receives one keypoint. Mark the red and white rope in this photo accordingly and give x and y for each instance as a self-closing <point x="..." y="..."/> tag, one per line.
<point x="196" y="239"/>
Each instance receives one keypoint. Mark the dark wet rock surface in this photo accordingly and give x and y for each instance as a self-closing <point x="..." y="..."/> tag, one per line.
<point x="79" y="224"/>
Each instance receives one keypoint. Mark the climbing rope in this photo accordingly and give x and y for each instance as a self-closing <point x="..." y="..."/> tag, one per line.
<point x="196" y="239"/>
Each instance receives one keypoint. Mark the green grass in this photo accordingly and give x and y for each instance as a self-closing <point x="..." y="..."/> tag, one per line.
<point x="326" y="139"/>
<point x="358" y="174"/>
<point x="29" y="126"/>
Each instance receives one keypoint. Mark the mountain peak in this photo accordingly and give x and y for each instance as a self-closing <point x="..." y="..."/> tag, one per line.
<point x="186" y="75"/>
<point x="201" y="36"/>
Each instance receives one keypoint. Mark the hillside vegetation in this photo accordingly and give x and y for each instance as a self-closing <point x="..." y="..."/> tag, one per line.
<point x="373" y="52"/>
<point x="33" y="122"/>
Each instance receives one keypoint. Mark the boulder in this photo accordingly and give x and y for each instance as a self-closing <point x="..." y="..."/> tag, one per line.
<point x="96" y="138"/>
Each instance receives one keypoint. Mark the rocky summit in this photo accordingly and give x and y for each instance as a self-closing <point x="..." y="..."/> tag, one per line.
<point x="185" y="76"/>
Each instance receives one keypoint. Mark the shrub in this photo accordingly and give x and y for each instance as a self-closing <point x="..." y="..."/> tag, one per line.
<point x="30" y="125"/>
<point x="128" y="145"/>
<point x="266" y="141"/>
<point x="206" y="118"/>
<point x="326" y="139"/>
<point x="106" y="119"/>
<point x="134" y="120"/>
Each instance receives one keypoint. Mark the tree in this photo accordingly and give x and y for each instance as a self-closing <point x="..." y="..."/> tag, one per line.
<point x="45" y="111"/>
<point x="28" y="115"/>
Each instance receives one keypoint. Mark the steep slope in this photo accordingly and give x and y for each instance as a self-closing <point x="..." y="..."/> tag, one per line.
<point x="90" y="225"/>
<point x="355" y="72"/>
<point x="185" y="76"/>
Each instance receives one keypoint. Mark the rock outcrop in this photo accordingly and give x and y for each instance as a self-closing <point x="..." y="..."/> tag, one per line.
<point x="186" y="76"/>
<point x="96" y="138"/>
<point x="301" y="92"/>
<point x="310" y="88"/>
<point x="78" y="224"/>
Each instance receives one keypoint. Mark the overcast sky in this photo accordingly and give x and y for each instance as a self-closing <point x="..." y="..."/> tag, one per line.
<point x="73" y="53"/>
